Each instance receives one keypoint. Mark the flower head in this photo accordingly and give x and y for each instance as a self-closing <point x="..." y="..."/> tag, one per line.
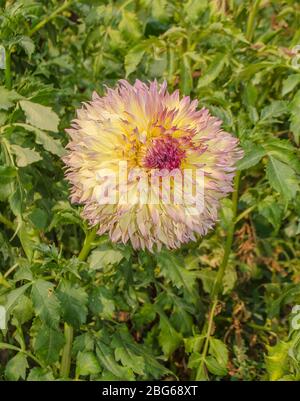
<point x="168" y="146"/>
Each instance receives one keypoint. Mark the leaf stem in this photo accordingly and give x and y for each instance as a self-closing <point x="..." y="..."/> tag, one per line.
<point x="29" y="354"/>
<point x="68" y="330"/>
<point x="207" y="329"/>
<point x="50" y="17"/>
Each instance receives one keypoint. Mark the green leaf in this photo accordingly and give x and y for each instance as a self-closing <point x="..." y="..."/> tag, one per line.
<point x="134" y="57"/>
<point x="87" y="364"/>
<point x="8" y="98"/>
<point x="101" y="303"/>
<point x="229" y="279"/>
<point x="271" y="112"/>
<point x="284" y="151"/>
<point x="7" y="174"/>
<point x="272" y="211"/>
<point x="39" y="218"/>
<point x="48" y="344"/>
<point x="290" y="83"/>
<point x="169" y="339"/>
<point x="277" y="360"/>
<point x="295" y="117"/>
<point x="151" y="365"/>
<point x="193" y="8"/>
<point x="39" y="374"/>
<point x="218" y="350"/>
<point x="171" y="267"/>
<point x="129" y="359"/>
<point x="105" y="255"/>
<point x="130" y="26"/>
<point x="40" y="116"/>
<point x="13" y="296"/>
<point x="45" y="302"/>
<point x="43" y="138"/>
<point x="73" y="304"/>
<point x="23" y="311"/>
<point x="213" y="70"/>
<point x="107" y="361"/>
<point x="282" y="178"/>
<point x="25" y="156"/>
<point x="16" y="201"/>
<point x="253" y="154"/>
<point x="207" y="276"/>
<point x="27" y="44"/>
<point x="16" y="367"/>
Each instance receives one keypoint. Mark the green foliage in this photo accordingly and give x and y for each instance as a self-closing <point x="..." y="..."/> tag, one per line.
<point x="136" y="315"/>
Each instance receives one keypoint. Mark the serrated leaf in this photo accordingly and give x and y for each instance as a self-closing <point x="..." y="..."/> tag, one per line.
<point x="129" y="359"/>
<point x="101" y="303"/>
<point x="152" y="365"/>
<point x="108" y="362"/>
<point x="45" y="302"/>
<point x="87" y="364"/>
<point x="271" y="112"/>
<point x="171" y="267"/>
<point x="134" y="57"/>
<point x="277" y="360"/>
<point x="219" y="351"/>
<point x="105" y="255"/>
<point x="271" y="210"/>
<point x="25" y="156"/>
<point x="282" y="178"/>
<point x="253" y="154"/>
<point x="40" y="374"/>
<point x="43" y="138"/>
<point x="290" y="83"/>
<point x="295" y="117"/>
<point x="73" y="304"/>
<point x="40" y="116"/>
<point x="27" y="44"/>
<point x="213" y="71"/>
<point x="13" y="296"/>
<point x="16" y="367"/>
<point x="169" y="339"/>
<point x="48" y="344"/>
<point x="8" y="98"/>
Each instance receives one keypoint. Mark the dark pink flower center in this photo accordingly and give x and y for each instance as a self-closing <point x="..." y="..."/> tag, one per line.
<point x="165" y="153"/>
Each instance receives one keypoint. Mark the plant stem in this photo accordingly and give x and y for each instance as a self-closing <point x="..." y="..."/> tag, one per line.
<point x="29" y="354"/>
<point x="68" y="330"/>
<point x="87" y="245"/>
<point x="66" y="355"/>
<point x="7" y="69"/>
<point x="218" y="282"/>
<point x="207" y="329"/>
<point x="251" y="20"/>
<point x="7" y="222"/>
<point x="50" y="17"/>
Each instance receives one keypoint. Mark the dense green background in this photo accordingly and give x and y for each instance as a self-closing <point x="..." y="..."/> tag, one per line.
<point x="136" y="315"/>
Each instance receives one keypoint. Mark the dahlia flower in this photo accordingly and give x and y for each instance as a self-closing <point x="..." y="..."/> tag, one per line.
<point x="142" y="134"/>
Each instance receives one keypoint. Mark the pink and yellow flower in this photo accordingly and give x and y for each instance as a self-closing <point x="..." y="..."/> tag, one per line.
<point x="150" y="129"/>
